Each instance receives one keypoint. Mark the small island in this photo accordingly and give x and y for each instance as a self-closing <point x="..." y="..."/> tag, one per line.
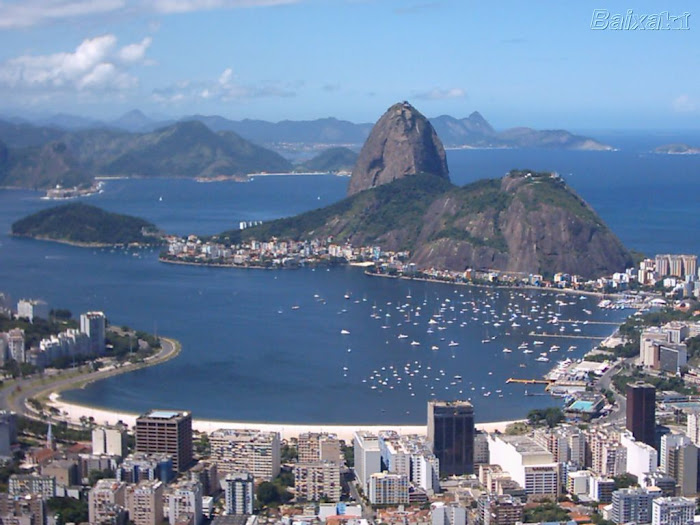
<point x="85" y="225"/>
<point x="677" y="149"/>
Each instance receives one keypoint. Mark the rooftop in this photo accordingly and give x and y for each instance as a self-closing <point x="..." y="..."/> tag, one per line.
<point x="164" y="414"/>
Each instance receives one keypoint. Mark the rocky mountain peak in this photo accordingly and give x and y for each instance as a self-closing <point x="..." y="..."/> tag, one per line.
<point x="401" y="143"/>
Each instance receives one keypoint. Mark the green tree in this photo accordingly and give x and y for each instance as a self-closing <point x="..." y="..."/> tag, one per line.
<point x="288" y="453"/>
<point x="624" y="481"/>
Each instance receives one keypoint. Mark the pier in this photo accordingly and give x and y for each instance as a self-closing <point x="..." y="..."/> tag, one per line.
<point x="569" y="336"/>
<point x="575" y="321"/>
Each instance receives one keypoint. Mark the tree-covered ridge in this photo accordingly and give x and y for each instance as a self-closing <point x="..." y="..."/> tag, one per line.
<point x="85" y="224"/>
<point x="330" y="160"/>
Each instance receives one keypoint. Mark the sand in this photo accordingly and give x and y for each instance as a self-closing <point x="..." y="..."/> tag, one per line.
<point x="72" y="413"/>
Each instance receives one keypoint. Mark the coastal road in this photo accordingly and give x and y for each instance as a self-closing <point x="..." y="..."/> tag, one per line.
<point x="619" y="413"/>
<point x="15" y="394"/>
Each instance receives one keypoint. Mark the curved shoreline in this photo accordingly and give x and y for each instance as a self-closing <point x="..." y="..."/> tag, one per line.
<point x="73" y="412"/>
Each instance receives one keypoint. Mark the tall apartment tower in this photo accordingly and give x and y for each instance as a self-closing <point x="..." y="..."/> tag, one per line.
<point x="145" y="502"/>
<point x="93" y="324"/>
<point x="239" y="493"/>
<point x="166" y="432"/>
<point x="451" y="432"/>
<point x="641" y="412"/>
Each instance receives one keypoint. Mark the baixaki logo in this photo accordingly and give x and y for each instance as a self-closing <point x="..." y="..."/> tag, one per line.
<point x="631" y="21"/>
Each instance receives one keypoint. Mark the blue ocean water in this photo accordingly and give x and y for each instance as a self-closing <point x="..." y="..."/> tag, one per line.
<point x="248" y="355"/>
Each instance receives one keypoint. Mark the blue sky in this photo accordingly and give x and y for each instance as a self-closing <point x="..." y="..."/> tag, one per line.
<point x="538" y="65"/>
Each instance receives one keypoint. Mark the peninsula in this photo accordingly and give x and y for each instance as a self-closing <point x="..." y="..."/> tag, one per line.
<point x="400" y="198"/>
<point x="86" y="225"/>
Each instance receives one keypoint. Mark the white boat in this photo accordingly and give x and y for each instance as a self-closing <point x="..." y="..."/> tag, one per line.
<point x="344" y="332"/>
<point x="435" y="347"/>
<point x="538" y="343"/>
<point x="453" y="343"/>
<point x="402" y="336"/>
<point x="415" y="343"/>
<point x="527" y="351"/>
<point x="507" y="351"/>
<point x="542" y="359"/>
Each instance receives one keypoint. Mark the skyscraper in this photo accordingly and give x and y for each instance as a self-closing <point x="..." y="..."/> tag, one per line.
<point x="641" y="412"/>
<point x="166" y="432"/>
<point x="451" y="431"/>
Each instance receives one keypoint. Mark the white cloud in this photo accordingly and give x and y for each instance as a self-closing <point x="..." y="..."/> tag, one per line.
<point x="684" y="104"/>
<point x="224" y="88"/>
<point x="441" y="94"/>
<point x="134" y="53"/>
<point x="26" y="13"/>
<point x="97" y="64"/>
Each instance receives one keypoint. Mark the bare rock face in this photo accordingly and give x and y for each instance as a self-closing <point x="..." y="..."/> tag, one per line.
<point x="401" y="143"/>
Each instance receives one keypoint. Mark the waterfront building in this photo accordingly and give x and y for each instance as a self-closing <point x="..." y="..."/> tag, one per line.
<point x="166" y="432"/>
<point x="314" y="481"/>
<point x="251" y="451"/>
<point x="499" y="510"/>
<point x="185" y="500"/>
<point x="447" y="514"/>
<point x="451" y="432"/>
<point x="679" y="459"/>
<point x="641" y="412"/>
<point x="239" y="493"/>
<point x="106" y="502"/>
<point x="315" y="446"/>
<point x="530" y="465"/>
<point x="388" y="489"/>
<point x="93" y="324"/>
<point x="32" y="308"/>
<point x="109" y="440"/>
<point x="367" y="456"/>
<point x="633" y="505"/>
<point x="641" y="458"/>
<point x="144" y="502"/>
<point x="673" y="511"/>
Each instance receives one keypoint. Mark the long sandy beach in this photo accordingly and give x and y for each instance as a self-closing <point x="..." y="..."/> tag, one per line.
<point x="72" y="413"/>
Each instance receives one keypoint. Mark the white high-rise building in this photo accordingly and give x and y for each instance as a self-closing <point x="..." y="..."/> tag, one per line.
<point x="314" y="481"/>
<point x="186" y="498"/>
<point x="368" y="457"/>
<point x="239" y="493"/>
<point x="31" y="308"/>
<point x="530" y="464"/>
<point x="693" y="427"/>
<point x="94" y="325"/>
<point x="109" y="440"/>
<point x="641" y="458"/>
<point x="673" y="511"/>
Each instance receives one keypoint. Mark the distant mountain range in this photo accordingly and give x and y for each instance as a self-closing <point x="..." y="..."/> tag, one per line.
<point x="677" y="149"/>
<point x="69" y="150"/>
<point x="472" y="131"/>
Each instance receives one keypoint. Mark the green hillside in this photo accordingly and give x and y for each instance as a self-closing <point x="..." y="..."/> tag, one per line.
<point x="83" y="224"/>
